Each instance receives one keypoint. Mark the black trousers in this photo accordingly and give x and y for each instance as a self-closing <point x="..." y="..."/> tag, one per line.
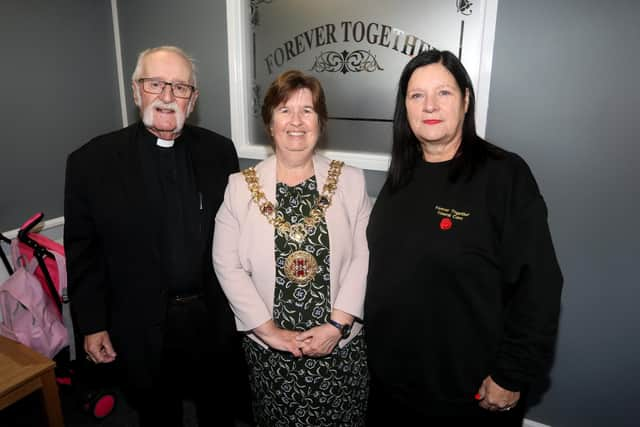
<point x="387" y="409"/>
<point x="192" y="369"/>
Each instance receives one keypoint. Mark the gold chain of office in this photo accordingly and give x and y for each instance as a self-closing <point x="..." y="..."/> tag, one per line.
<point x="300" y="266"/>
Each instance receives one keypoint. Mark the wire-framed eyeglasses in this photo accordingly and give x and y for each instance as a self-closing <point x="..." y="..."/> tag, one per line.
<point x="156" y="86"/>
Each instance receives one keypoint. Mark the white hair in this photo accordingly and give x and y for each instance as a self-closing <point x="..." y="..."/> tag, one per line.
<point x="138" y="70"/>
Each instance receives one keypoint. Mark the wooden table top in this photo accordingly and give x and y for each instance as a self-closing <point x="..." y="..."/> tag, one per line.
<point x="19" y="364"/>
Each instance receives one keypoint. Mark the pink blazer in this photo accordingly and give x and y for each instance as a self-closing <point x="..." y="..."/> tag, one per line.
<point x="243" y="245"/>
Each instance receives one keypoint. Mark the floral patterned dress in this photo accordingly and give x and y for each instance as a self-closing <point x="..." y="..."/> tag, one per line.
<point x="289" y="391"/>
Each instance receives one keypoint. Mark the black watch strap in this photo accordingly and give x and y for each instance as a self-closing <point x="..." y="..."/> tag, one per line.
<point x="345" y="330"/>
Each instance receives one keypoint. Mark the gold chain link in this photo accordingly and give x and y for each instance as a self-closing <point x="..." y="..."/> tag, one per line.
<point x="296" y="232"/>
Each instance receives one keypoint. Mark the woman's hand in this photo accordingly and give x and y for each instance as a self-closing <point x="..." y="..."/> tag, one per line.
<point x="279" y="339"/>
<point x="319" y="341"/>
<point x="495" y="398"/>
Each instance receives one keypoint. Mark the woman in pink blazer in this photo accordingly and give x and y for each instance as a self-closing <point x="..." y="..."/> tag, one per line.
<point x="291" y="255"/>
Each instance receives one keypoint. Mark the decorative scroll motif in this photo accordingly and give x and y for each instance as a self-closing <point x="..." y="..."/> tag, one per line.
<point x="464" y="7"/>
<point x="344" y="62"/>
<point x="255" y="17"/>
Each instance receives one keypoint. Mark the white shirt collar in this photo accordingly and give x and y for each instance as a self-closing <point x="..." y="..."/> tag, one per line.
<point x="164" y="143"/>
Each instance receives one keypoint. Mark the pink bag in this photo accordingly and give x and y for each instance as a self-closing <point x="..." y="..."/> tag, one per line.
<point x="28" y="316"/>
<point x="28" y="252"/>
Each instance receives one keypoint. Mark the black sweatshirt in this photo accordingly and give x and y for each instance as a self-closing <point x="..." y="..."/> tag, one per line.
<point x="463" y="283"/>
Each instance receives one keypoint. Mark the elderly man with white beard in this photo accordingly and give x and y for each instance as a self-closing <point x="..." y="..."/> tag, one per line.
<point x="139" y="209"/>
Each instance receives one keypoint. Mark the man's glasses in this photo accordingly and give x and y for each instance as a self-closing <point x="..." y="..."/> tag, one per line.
<point x="155" y="86"/>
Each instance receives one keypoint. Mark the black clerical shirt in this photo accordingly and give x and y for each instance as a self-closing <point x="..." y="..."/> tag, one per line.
<point x="174" y="199"/>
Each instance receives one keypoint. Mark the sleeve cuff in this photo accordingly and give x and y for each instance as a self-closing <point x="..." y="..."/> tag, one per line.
<point x="507" y="383"/>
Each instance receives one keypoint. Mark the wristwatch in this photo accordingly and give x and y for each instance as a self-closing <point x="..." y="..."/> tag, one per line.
<point x="345" y="329"/>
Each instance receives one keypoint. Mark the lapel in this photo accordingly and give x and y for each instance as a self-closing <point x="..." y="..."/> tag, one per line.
<point x="266" y="171"/>
<point x="261" y="230"/>
<point x="321" y="169"/>
<point x="335" y="218"/>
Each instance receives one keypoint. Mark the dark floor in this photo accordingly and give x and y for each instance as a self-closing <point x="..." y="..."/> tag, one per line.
<point x="90" y="380"/>
<point x="28" y="413"/>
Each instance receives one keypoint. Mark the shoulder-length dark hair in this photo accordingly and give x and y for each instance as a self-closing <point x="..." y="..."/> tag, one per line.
<point x="407" y="151"/>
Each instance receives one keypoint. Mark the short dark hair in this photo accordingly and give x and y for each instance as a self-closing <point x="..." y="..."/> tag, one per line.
<point x="287" y="83"/>
<point x="406" y="149"/>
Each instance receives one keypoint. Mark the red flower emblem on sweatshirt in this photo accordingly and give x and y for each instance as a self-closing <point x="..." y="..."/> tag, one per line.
<point x="446" y="224"/>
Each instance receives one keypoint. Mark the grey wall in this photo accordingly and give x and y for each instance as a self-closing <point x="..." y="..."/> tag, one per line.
<point x="197" y="26"/>
<point x="58" y="90"/>
<point x="563" y="95"/>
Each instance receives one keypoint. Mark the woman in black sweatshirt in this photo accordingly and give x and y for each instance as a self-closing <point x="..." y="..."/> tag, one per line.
<point x="463" y="294"/>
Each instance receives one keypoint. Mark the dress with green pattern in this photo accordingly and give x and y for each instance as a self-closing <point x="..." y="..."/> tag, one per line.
<point x="289" y="391"/>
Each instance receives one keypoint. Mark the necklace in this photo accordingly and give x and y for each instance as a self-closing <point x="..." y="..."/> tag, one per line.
<point x="300" y="266"/>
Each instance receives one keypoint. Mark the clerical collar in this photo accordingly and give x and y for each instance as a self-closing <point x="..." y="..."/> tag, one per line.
<point x="164" y="143"/>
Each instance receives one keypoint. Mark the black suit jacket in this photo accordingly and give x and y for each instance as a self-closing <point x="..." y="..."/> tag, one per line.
<point x="112" y="236"/>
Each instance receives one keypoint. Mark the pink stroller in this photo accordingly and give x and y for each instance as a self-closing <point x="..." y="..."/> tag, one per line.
<point x="51" y="273"/>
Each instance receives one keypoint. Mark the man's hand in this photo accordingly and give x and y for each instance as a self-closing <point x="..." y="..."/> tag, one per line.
<point x="495" y="398"/>
<point x="98" y="347"/>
